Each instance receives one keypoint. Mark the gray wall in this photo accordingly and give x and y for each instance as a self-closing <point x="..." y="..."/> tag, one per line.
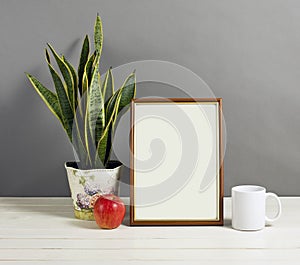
<point x="247" y="51"/>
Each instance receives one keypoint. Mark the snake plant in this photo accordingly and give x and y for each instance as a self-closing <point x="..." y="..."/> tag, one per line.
<point x="86" y="106"/>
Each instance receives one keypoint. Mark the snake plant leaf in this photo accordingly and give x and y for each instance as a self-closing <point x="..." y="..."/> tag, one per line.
<point x="50" y="99"/>
<point x="126" y="92"/>
<point x="100" y="122"/>
<point x="47" y="96"/>
<point x="116" y="103"/>
<point x="66" y="73"/>
<point x="87" y="136"/>
<point x="47" y="56"/>
<point x="108" y="144"/>
<point x="78" y="134"/>
<point x="66" y="109"/>
<point x="103" y="149"/>
<point x="89" y="67"/>
<point x="99" y="116"/>
<point x="124" y="96"/>
<point x="107" y="86"/>
<point x="110" y="130"/>
<point x="75" y="82"/>
<point x="98" y="35"/>
<point x="83" y="99"/>
<point x="110" y="104"/>
<point x="89" y="140"/>
<point x="95" y="109"/>
<point x="84" y="107"/>
<point x="87" y="76"/>
<point x="85" y="51"/>
<point x="77" y="138"/>
<point x="85" y="86"/>
<point x="95" y="103"/>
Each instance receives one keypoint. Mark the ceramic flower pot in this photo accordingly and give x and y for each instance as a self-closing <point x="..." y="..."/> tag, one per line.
<point x="87" y="185"/>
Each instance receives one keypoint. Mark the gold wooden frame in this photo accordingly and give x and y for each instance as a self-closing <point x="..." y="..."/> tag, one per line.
<point x="219" y="221"/>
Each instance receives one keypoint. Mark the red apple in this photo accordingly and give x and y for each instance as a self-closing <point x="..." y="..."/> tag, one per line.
<point x="109" y="211"/>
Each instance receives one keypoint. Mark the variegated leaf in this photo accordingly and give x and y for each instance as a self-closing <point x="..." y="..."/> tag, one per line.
<point x="89" y="67"/>
<point x="126" y="92"/>
<point x="85" y="51"/>
<point x="66" y="109"/>
<point x="98" y="35"/>
<point x="107" y="86"/>
<point x="49" y="98"/>
<point x="66" y="73"/>
<point x="75" y="82"/>
<point x="96" y="105"/>
<point x="104" y="144"/>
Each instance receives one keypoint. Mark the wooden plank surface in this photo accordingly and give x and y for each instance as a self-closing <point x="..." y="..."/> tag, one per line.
<point x="44" y="231"/>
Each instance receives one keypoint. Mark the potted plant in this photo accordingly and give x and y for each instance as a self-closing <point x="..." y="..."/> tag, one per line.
<point x="87" y="108"/>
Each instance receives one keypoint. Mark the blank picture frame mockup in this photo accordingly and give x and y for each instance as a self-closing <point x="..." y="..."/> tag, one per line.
<point x="176" y="171"/>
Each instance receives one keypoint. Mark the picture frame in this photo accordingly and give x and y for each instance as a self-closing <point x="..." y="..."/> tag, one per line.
<point x="176" y="161"/>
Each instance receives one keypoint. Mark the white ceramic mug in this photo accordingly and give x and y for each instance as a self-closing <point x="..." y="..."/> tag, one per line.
<point x="249" y="207"/>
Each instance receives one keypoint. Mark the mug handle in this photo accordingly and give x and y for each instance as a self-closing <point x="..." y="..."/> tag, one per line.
<point x="271" y="194"/>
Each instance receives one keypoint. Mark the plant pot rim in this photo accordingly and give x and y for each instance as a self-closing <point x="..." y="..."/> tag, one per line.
<point x="73" y="165"/>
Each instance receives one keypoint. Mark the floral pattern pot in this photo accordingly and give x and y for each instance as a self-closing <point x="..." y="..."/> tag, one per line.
<point x="87" y="185"/>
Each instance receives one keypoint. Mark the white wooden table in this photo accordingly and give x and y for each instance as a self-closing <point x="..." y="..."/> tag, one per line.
<point x="44" y="231"/>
